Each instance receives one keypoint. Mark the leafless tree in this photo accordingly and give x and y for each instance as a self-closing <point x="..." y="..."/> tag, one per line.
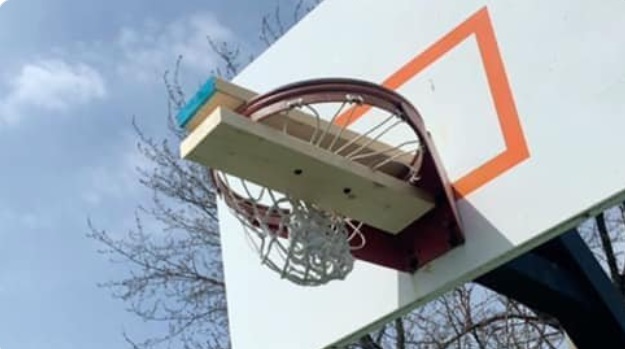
<point x="173" y="253"/>
<point x="176" y="275"/>
<point x="174" y="256"/>
<point x="470" y="316"/>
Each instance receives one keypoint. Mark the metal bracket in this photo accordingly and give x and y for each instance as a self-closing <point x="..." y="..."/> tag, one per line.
<point x="563" y="278"/>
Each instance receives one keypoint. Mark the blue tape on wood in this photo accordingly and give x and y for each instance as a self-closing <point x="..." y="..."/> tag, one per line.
<point x="186" y="114"/>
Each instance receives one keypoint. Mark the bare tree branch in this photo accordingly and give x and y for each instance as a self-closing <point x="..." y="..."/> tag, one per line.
<point x="401" y="334"/>
<point x="230" y="56"/>
<point x="173" y="254"/>
<point x="608" y="249"/>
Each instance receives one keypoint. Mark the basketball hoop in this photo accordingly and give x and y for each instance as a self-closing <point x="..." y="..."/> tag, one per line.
<point x="299" y="240"/>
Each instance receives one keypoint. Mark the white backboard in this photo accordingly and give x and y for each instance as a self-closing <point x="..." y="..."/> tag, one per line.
<point x="525" y="102"/>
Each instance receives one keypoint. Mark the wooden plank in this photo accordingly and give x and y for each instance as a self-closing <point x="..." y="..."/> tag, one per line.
<point x="237" y="145"/>
<point x="303" y="126"/>
<point x="221" y="94"/>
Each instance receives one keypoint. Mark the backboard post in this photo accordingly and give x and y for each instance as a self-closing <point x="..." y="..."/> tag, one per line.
<point x="562" y="278"/>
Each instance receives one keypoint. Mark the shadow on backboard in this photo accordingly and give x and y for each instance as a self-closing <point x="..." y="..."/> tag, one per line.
<point x="485" y="248"/>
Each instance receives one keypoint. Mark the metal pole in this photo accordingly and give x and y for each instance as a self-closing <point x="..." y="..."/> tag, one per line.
<point x="562" y="278"/>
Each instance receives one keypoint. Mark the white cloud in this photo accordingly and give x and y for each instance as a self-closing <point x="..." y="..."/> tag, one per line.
<point x="51" y="86"/>
<point x="21" y="220"/>
<point x="151" y="49"/>
<point x="114" y="177"/>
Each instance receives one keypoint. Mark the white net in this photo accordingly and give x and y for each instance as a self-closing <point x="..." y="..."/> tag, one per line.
<point x="296" y="239"/>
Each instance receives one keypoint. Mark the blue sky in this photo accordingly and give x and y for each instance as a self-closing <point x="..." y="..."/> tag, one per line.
<point x="72" y="74"/>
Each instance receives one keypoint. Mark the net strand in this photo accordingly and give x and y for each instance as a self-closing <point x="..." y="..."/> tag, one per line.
<point x="317" y="247"/>
<point x="365" y="134"/>
<point x="331" y="122"/>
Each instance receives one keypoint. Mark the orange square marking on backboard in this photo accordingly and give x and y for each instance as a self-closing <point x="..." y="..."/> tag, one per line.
<point x="516" y="149"/>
